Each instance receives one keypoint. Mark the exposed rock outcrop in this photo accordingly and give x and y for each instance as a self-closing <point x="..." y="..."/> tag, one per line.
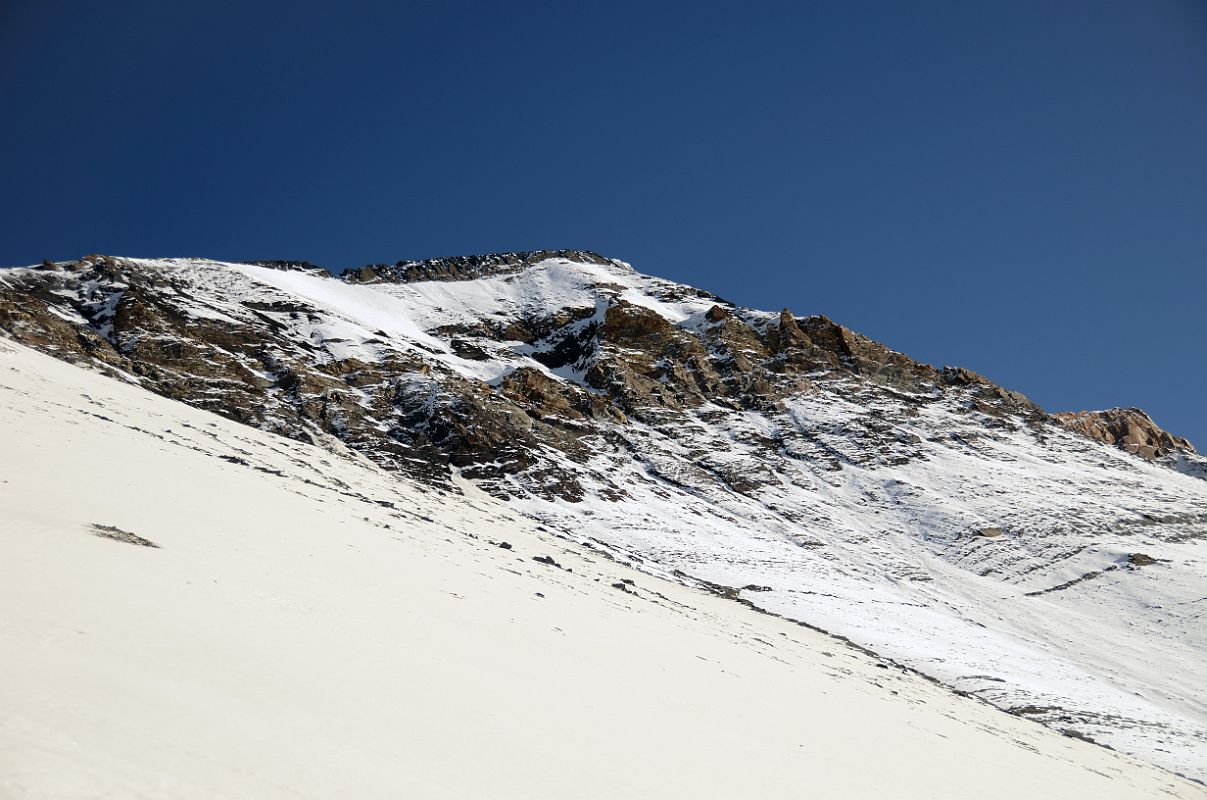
<point x="1129" y="429"/>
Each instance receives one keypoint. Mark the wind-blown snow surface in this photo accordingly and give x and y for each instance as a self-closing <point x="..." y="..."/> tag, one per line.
<point x="310" y="626"/>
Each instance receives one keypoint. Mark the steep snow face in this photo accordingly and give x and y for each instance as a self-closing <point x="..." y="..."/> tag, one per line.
<point x="307" y="625"/>
<point x="937" y="519"/>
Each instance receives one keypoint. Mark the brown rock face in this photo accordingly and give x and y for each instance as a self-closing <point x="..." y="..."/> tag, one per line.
<point x="989" y="397"/>
<point x="1129" y="429"/>
<point x="627" y="324"/>
<point x="818" y="343"/>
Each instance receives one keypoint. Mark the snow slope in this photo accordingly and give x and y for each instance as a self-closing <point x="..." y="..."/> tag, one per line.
<point x="310" y="626"/>
<point x="852" y="506"/>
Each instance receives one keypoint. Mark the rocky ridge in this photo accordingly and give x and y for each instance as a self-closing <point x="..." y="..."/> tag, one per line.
<point x="1129" y="429"/>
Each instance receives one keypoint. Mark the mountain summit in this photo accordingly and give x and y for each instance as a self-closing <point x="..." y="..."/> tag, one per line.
<point x="1048" y="564"/>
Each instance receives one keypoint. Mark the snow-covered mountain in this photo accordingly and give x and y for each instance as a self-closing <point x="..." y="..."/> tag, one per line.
<point x="1050" y="564"/>
<point x="190" y="608"/>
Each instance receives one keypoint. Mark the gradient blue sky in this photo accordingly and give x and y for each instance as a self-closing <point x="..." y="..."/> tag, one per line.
<point x="1016" y="187"/>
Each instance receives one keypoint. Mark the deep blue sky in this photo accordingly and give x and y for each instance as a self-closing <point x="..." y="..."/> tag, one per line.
<point x="1016" y="187"/>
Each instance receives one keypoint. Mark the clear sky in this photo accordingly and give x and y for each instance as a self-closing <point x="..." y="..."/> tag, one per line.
<point x="1015" y="187"/>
